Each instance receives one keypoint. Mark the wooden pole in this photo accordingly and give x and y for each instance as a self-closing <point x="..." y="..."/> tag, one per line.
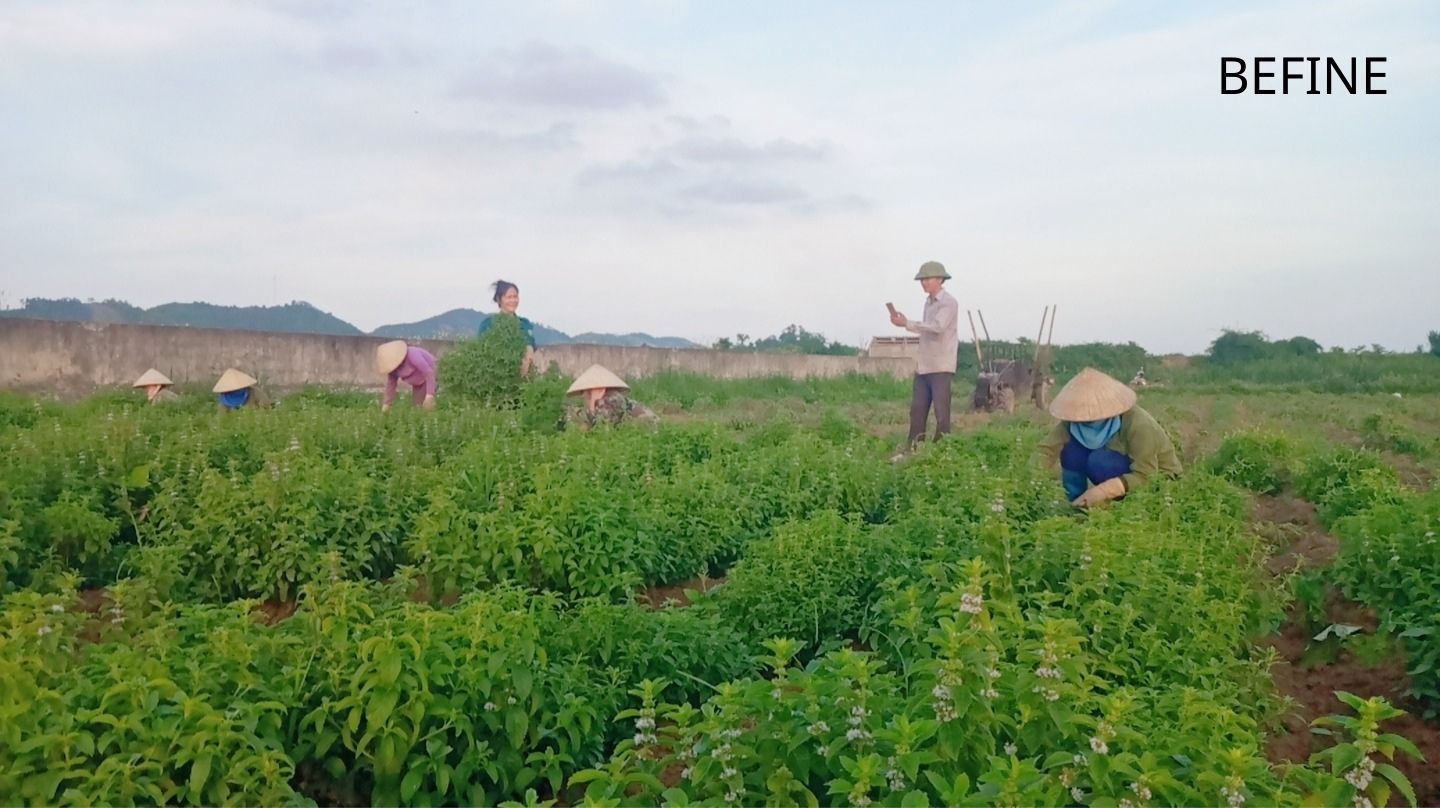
<point x="1039" y="336"/>
<point x="990" y="348"/>
<point x="974" y="337"/>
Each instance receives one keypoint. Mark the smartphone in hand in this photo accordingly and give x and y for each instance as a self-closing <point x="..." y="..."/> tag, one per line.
<point x="891" y="307"/>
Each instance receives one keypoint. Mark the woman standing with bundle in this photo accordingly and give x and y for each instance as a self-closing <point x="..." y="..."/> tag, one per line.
<point x="507" y="297"/>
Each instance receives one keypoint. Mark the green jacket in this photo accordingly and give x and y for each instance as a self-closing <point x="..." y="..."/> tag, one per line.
<point x="1140" y="438"/>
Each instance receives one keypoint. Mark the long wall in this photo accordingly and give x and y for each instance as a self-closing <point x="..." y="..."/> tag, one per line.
<point x="69" y="357"/>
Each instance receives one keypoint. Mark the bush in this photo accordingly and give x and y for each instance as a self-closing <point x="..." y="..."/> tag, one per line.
<point x="1348" y="481"/>
<point x="487" y="368"/>
<point x="812" y="579"/>
<point x="1261" y="461"/>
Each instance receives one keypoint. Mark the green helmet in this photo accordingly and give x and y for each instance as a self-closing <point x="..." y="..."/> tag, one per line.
<point x="932" y="269"/>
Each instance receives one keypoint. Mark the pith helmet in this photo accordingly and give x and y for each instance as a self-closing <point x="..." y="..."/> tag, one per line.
<point x="151" y="376"/>
<point x="390" y="355"/>
<point x="1091" y="396"/>
<point x="932" y="269"/>
<point x="596" y="376"/>
<point x="232" y="380"/>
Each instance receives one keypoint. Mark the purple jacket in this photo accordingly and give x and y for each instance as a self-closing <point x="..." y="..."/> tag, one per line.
<point x="418" y="371"/>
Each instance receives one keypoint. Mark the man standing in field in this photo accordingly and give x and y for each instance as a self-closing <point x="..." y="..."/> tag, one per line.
<point x="939" y="344"/>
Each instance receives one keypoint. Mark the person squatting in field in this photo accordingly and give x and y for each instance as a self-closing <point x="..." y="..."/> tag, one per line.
<point x="507" y="297"/>
<point x="603" y="401"/>
<point x="939" y="348"/>
<point x="410" y="364"/>
<point x="236" y="389"/>
<point x="1107" y="445"/>
<point x="157" y="387"/>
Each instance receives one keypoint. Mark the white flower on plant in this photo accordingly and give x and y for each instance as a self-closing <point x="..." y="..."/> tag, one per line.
<point x="43" y="630"/>
<point x="893" y="776"/>
<point x="1141" y="790"/>
<point x="1011" y="748"/>
<point x="1098" y="746"/>
<point x="818" y="727"/>
<point x="1126" y="803"/>
<point x="510" y="700"/>
<point x="57" y="608"/>
<point x="940" y="692"/>
<point x="685" y="773"/>
<point x="857" y="734"/>
<point x="728" y="772"/>
<point x="776" y="694"/>
<point x="490" y="707"/>
<point x="993" y="673"/>
<point x="644" y="722"/>
<point x="1076" y="794"/>
<point x="971" y="603"/>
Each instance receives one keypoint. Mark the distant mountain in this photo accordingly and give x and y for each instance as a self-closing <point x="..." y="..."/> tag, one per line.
<point x="635" y="339"/>
<point x="459" y="324"/>
<point x="303" y="318"/>
<point x="462" y="323"/>
<point x="297" y="316"/>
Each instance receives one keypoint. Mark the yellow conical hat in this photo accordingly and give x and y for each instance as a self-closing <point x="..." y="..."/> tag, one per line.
<point x="390" y="355"/>
<point x="151" y="376"/>
<point x="1091" y="396"/>
<point x="232" y="380"/>
<point x="596" y="376"/>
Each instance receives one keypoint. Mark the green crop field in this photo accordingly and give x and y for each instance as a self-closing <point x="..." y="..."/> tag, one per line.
<point x="748" y="604"/>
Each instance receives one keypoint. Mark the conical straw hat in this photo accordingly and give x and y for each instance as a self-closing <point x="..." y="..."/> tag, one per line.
<point x="1091" y="396"/>
<point x="596" y="376"/>
<point x="390" y="355"/>
<point x="151" y="376"/>
<point x="232" y="380"/>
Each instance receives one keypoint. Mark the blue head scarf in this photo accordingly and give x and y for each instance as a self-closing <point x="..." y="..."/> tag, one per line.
<point x="1095" y="434"/>
<point x="235" y="398"/>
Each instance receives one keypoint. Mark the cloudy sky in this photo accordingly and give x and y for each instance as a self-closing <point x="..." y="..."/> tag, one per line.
<point x="707" y="168"/>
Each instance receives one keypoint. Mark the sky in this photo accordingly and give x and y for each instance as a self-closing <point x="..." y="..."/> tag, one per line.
<point x="703" y="169"/>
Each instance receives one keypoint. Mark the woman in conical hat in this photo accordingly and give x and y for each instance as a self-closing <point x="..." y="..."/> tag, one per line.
<point x="1107" y="445"/>
<point x="604" y="400"/>
<point x="410" y="364"/>
<point x="156" y="384"/>
<point x="237" y="389"/>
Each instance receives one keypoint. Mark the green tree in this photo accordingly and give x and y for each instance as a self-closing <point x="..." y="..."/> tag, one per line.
<point x="1237" y="347"/>
<point x="1298" y="346"/>
<point x="1435" y="343"/>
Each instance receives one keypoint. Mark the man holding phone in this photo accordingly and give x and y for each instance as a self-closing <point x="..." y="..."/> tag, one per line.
<point x="939" y="345"/>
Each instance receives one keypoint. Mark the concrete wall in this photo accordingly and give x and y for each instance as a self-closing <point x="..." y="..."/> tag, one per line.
<point x="74" y="357"/>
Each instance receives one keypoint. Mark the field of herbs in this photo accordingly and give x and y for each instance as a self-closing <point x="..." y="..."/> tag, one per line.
<point x="321" y="604"/>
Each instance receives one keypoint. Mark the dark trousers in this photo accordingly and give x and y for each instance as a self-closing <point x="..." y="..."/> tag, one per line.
<point x="1081" y="467"/>
<point x="930" y="389"/>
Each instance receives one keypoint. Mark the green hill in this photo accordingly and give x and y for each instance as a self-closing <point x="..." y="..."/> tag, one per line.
<point x="301" y="317"/>
<point x="297" y="316"/>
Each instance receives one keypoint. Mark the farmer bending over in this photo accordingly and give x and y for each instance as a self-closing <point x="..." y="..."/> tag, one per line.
<point x="410" y="364"/>
<point x="1106" y="444"/>
<point x="604" y="400"/>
